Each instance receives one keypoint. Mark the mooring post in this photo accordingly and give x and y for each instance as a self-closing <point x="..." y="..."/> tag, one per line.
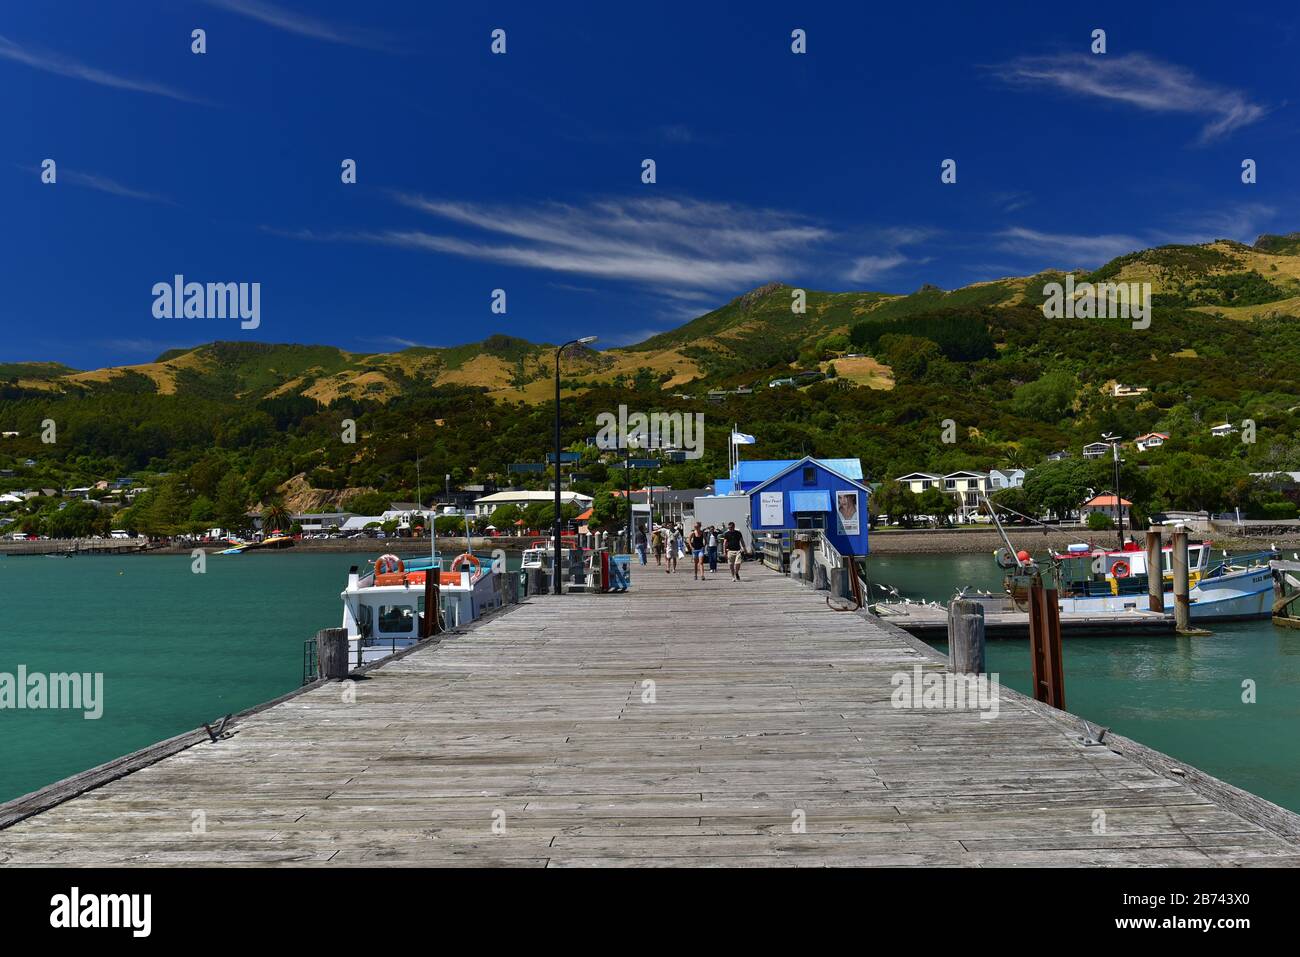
<point x="332" y="652"/>
<point x="1155" y="571"/>
<point x="431" y="625"/>
<point x="1045" y="645"/>
<point x="965" y="637"/>
<point x="1178" y="559"/>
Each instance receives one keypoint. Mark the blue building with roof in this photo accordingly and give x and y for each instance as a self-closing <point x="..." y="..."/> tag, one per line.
<point x="812" y="494"/>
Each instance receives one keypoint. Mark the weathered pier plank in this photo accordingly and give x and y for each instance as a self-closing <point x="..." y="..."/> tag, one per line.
<point x="768" y="737"/>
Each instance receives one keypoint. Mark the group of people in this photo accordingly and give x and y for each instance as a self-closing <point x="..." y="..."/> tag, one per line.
<point x="705" y="545"/>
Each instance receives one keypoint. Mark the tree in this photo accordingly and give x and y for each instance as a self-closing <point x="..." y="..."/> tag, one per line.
<point x="232" y="502"/>
<point x="609" y="512"/>
<point x="275" y="517"/>
<point x="367" y="503"/>
<point x="1100" y="522"/>
<point x="1048" y="399"/>
<point x="504" y="517"/>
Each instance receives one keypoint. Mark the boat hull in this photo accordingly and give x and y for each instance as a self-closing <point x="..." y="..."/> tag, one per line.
<point x="1233" y="596"/>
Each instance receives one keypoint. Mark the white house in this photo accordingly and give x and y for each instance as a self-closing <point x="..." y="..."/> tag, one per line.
<point x="1152" y="440"/>
<point x="1095" y="450"/>
<point x="1106" y="504"/>
<point x="1123" y="391"/>
<point x="1223" y="429"/>
<point x="1006" y="478"/>
<point x="522" y="498"/>
<point x="965" y="488"/>
<point x="918" y="482"/>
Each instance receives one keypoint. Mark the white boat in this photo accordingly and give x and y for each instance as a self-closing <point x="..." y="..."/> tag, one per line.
<point x="1115" y="580"/>
<point x="383" y="610"/>
<point x="540" y="554"/>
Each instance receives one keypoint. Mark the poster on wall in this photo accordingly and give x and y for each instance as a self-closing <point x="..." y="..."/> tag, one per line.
<point x="771" y="509"/>
<point x="846" y="510"/>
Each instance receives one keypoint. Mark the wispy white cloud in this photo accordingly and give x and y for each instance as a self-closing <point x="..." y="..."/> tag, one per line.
<point x="679" y="247"/>
<point x="56" y="63"/>
<point x="1242" y="223"/>
<point x="868" y="268"/>
<point x="110" y="186"/>
<point x="291" y="21"/>
<point x="1141" y="81"/>
<point x="1067" y="249"/>
<point x="889" y="254"/>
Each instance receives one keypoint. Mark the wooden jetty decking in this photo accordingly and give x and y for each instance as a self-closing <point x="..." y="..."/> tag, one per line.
<point x="768" y="705"/>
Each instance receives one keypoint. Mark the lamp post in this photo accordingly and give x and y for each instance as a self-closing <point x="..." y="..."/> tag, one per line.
<point x="1119" y="501"/>
<point x="559" y="518"/>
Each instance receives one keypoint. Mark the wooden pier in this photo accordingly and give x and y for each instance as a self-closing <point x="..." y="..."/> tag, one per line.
<point x="684" y="723"/>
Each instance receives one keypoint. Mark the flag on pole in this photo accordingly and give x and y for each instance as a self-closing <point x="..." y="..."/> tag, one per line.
<point x="740" y="438"/>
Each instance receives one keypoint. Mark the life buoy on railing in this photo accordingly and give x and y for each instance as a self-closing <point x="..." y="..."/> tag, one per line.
<point x="466" y="557"/>
<point x="388" y="565"/>
<point x="1120" y="569"/>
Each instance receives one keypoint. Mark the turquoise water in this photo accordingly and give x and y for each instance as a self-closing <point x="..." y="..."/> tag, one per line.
<point x="177" y="649"/>
<point x="1182" y="696"/>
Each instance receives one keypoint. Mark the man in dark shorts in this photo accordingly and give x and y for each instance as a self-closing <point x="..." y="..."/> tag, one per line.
<point x="734" y="544"/>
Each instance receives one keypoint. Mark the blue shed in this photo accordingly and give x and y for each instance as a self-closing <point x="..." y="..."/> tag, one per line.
<point x="810" y="494"/>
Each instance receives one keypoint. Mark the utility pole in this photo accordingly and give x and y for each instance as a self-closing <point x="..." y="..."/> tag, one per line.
<point x="1119" y="499"/>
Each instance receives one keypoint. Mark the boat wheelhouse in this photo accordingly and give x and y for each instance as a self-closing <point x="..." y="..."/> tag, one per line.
<point x="384" y="609"/>
<point x="540" y="554"/>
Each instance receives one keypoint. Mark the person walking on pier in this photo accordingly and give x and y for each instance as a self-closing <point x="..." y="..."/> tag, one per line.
<point x="734" y="543"/>
<point x="640" y="543"/>
<point x="696" y="544"/>
<point x="711" y="547"/>
<point x="658" y="542"/>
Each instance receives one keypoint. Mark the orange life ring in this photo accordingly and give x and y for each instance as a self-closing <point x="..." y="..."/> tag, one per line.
<point x="1120" y="569"/>
<point x="465" y="556"/>
<point x="389" y="565"/>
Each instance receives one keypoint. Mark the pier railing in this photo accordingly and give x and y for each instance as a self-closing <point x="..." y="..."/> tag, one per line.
<point x="807" y="555"/>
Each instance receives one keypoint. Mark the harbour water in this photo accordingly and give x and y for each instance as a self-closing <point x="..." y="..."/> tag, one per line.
<point x="1182" y="696"/>
<point x="177" y="649"/>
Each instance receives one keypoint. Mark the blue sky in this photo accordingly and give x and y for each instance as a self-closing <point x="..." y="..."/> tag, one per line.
<point x="523" y="171"/>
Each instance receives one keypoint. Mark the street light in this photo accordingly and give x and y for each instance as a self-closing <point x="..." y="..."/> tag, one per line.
<point x="558" y="517"/>
<point x="1119" y="506"/>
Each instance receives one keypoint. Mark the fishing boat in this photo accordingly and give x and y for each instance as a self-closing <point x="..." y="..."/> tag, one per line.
<point x="383" y="609"/>
<point x="1094" y="579"/>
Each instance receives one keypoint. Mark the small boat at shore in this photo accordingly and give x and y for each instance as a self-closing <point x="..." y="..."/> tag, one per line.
<point x="540" y="554"/>
<point x="238" y="547"/>
<point x="384" y="612"/>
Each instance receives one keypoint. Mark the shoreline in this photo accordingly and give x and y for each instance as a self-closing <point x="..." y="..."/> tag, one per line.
<point x="928" y="541"/>
<point x="959" y="541"/>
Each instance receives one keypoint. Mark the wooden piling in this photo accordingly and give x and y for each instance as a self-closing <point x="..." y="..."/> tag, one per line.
<point x="431" y="624"/>
<point x="1178" y="560"/>
<point x="966" y="637"/>
<point x="1155" y="572"/>
<point x="1045" y="645"/>
<point x="332" y="652"/>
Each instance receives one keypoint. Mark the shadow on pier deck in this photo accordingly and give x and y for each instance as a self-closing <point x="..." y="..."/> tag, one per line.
<point x="533" y="741"/>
